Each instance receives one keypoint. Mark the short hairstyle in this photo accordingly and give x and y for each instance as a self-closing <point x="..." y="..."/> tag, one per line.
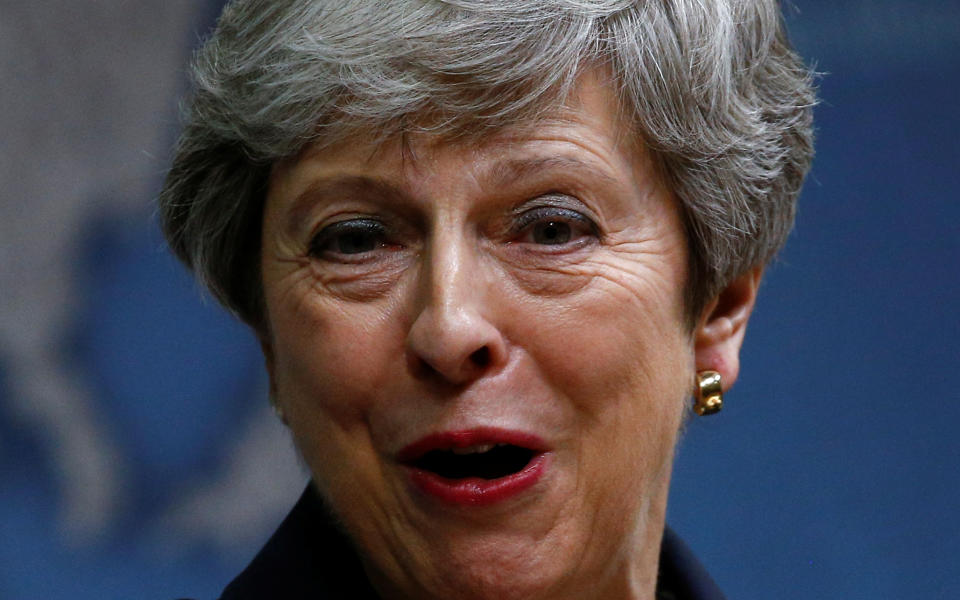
<point x="713" y="89"/>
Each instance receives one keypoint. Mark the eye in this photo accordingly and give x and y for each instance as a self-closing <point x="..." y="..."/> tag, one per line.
<point x="349" y="239"/>
<point x="551" y="232"/>
<point x="553" y="226"/>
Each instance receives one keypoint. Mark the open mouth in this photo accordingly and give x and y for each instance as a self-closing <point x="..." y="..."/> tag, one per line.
<point x="475" y="467"/>
<point x="488" y="461"/>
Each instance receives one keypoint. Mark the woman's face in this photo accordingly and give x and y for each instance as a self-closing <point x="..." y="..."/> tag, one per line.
<point x="481" y="353"/>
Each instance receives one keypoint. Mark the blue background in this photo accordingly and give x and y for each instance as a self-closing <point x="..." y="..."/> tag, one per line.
<point x="833" y="472"/>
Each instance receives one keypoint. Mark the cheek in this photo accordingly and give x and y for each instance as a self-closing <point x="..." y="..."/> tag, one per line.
<point x="330" y="357"/>
<point x="621" y="337"/>
<point x="330" y="363"/>
<point x="619" y="354"/>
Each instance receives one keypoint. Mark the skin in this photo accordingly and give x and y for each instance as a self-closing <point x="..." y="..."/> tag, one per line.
<point x="456" y="309"/>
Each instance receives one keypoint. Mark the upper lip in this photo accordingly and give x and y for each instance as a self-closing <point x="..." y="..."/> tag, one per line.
<point x="479" y="436"/>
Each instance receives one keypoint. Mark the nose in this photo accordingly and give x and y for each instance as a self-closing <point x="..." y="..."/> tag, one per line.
<point x="453" y="337"/>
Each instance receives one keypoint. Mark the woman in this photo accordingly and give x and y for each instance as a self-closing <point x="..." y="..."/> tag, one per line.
<point x="490" y="249"/>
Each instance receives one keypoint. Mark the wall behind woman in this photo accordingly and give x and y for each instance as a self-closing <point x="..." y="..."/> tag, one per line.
<point x="137" y="455"/>
<point x="134" y="435"/>
<point x="834" y="472"/>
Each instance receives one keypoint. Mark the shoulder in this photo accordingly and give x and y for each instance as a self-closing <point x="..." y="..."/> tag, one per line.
<point x="681" y="576"/>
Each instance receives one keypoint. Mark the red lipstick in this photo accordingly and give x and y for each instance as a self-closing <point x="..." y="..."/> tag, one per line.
<point x="440" y="464"/>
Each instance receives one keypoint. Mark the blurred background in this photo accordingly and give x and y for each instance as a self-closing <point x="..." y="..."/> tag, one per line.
<point x="138" y="458"/>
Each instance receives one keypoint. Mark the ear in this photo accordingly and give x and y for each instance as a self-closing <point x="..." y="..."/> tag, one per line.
<point x="266" y="346"/>
<point x="722" y="324"/>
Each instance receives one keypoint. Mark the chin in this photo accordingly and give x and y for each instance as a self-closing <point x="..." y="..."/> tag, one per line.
<point x="499" y="566"/>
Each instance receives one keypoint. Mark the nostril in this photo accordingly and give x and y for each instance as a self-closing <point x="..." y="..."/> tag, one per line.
<point x="481" y="357"/>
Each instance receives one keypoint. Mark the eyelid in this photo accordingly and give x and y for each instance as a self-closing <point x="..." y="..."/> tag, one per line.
<point x="533" y="215"/>
<point x="348" y="224"/>
<point x="557" y="200"/>
<point x="355" y="224"/>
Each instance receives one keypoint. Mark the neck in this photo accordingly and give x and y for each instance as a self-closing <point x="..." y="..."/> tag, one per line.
<point x="632" y="573"/>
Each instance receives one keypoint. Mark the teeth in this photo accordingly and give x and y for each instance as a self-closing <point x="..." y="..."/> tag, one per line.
<point x="478" y="449"/>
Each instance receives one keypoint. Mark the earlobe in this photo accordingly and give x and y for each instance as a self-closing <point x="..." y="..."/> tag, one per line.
<point x="267" y="350"/>
<point x="722" y="325"/>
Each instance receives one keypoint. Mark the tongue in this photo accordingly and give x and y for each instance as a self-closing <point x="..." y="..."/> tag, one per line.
<point x="493" y="464"/>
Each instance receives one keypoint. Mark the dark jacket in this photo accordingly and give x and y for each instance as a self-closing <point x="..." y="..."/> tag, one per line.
<point x="308" y="557"/>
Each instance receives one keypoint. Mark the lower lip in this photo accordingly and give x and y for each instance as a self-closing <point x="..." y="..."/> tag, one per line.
<point x="474" y="491"/>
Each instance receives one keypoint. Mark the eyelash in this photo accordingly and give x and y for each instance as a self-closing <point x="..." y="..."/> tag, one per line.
<point x="575" y="220"/>
<point x="332" y="243"/>
<point x="364" y="230"/>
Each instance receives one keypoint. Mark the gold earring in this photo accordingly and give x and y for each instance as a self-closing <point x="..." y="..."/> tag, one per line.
<point x="709" y="393"/>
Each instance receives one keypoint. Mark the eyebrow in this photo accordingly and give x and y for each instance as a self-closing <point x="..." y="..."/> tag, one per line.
<point x="509" y="172"/>
<point x="339" y="186"/>
<point x="502" y="174"/>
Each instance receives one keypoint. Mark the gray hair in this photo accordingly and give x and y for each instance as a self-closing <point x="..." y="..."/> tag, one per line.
<point x="711" y="87"/>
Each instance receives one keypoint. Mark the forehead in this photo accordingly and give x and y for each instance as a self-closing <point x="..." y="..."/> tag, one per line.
<point x="589" y="124"/>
